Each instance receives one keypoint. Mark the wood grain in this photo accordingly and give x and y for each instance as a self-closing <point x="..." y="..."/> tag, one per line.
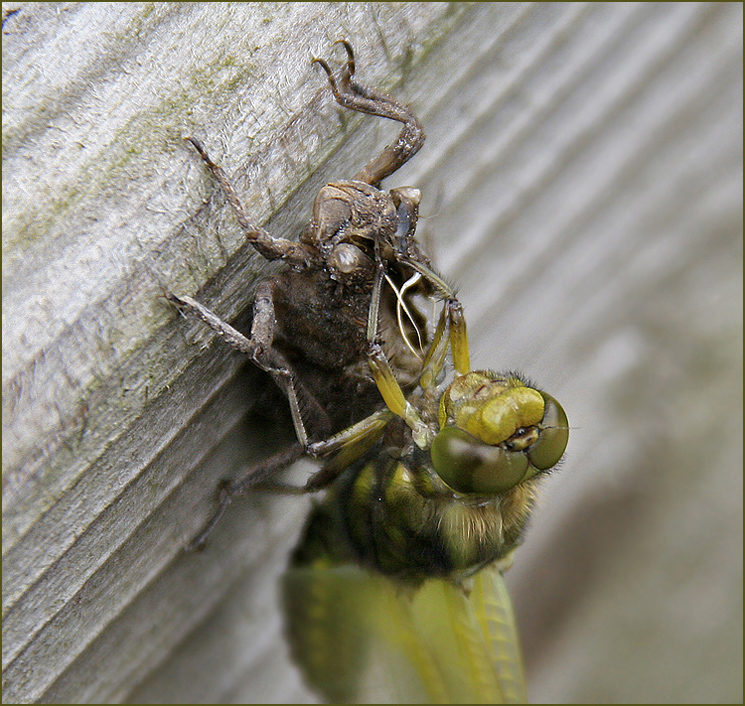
<point x="583" y="185"/>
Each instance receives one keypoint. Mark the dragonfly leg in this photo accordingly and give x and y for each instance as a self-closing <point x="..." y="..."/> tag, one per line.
<point x="456" y="321"/>
<point x="270" y="247"/>
<point x="366" y="428"/>
<point x="252" y="477"/>
<point x="353" y="95"/>
<point x="259" y="348"/>
<point x="350" y="443"/>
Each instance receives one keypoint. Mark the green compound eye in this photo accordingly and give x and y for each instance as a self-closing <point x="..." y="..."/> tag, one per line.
<point x="554" y="436"/>
<point x="469" y="465"/>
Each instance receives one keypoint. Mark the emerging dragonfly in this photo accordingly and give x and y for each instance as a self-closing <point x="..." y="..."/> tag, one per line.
<point x="397" y="578"/>
<point x="395" y="592"/>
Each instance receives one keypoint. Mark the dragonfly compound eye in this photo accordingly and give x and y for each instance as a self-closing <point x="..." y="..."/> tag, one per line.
<point x="553" y="436"/>
<point x="471" y="466"/>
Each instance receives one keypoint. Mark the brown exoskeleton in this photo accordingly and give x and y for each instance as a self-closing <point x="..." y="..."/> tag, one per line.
<point x="345" y="293"/>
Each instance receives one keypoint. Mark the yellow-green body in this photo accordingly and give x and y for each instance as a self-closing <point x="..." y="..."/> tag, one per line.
<point x="392" y="513"/>
<point x="395" y="592"/>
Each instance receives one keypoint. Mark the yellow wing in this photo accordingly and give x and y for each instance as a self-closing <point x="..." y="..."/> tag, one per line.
<point x="363" y="638"/>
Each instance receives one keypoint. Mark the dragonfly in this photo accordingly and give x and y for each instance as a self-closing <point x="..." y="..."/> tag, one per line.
<point x="395" y="591"/>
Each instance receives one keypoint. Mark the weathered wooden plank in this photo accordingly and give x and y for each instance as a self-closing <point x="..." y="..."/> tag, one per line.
<point x="583" y="171"/>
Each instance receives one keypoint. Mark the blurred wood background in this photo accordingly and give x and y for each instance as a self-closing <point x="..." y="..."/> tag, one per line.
<point x="582" y="183"/>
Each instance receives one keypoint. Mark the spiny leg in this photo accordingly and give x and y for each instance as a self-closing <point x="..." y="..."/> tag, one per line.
<point x="229" y="490"/>
<point x="353" y="95"/>
<point x="266" y="244"/>
<point x="456" y="321"/>
<point x="451" y="320"/>
<point x="350" y="444"/>
<point x="452" y="317"/>
<point x="259" y="348"/>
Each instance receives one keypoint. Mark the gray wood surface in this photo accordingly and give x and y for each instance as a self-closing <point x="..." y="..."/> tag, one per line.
<point x="582" y="179"/>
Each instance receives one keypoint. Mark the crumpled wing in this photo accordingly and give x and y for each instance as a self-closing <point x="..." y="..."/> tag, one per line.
<point x="364" y="638"/>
